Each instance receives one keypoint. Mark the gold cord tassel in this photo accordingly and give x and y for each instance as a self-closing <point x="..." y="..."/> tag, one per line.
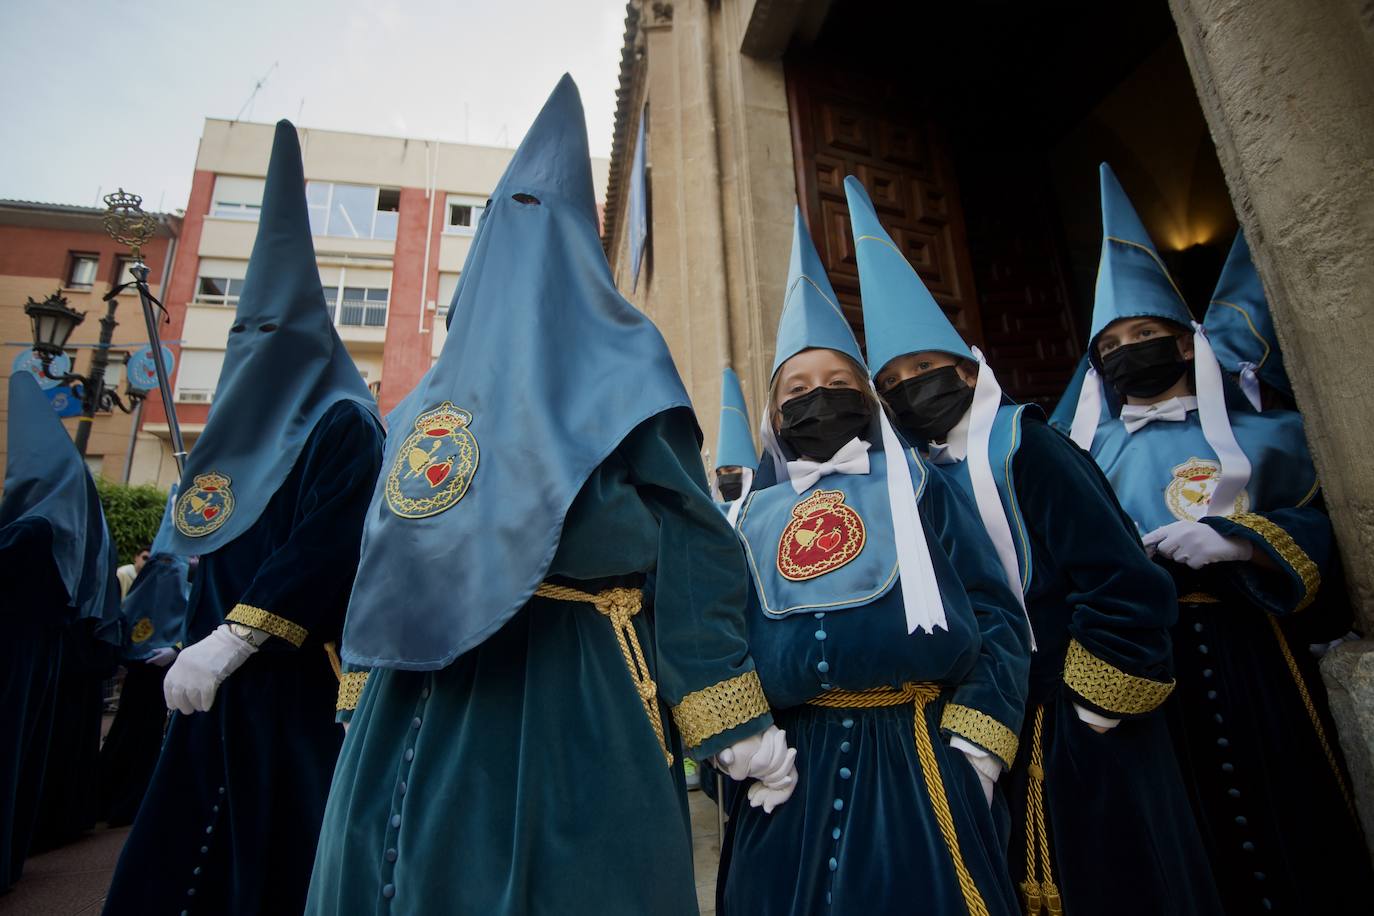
<point x="621" y="605"/>
<point x="1039" y="896"/>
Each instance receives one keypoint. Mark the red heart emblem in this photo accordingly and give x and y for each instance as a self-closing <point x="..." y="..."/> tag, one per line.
<point x="209" y="512"/>
<point x="829" y="541"/>
<point x="437" y="472"/>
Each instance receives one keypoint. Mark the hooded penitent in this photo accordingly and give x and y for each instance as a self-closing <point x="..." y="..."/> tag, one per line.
<point x="284" y="366"/>
<point x="1132" y="282"/>
<point x="1241" y="329"/>
<point x="46" y="478"/>
<point x="811" y="319"/>
<point x="900" y="317"/>
<point x="155" y="608"/>
<point x="545" y="370"/>
<point x="734" y="441"/>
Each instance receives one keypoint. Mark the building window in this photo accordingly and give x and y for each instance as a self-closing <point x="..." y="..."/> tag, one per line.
<point x="444" y="298"/>
<point x="237" y="198"/>
<point x="463" y="215"/>
<point x="197" y="374"/>
<point x="122" y="272"/>
<point x="218" y="291"/>
<point x="352" y="211"/>
<point x="357" y="306"/>
<point x="81" y="273"/>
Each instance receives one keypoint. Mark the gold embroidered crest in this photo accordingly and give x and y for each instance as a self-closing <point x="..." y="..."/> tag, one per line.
<point x="142" y="630"/>
<point x="824" y="535"/>
<point x="435" y="465"/>
<point x="206" y="506"/>
<point x="1189" y="492"/>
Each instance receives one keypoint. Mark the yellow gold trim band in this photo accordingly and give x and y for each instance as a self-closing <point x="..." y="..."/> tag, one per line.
<point x="705" y="713"/>
<point x="1288" y="550"/>
<point x="982" y="729"/>
<point x="351" y="685"/>
<point x="268" y="622"/>
<point x="1108" y="687"/>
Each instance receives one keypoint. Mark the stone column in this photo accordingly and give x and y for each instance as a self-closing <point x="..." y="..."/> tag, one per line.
<point x="1288" y="91"/>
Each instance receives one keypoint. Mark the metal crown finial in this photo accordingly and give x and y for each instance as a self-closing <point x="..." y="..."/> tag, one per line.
<point x="126" y="223"/>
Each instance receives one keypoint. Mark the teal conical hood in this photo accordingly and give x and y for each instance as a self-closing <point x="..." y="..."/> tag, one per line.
<point x="1239" y="324"/>
<point x="900" y="314"/>
<point x="1132" y="282"/>
<point x="284" y="366"/>
<point x="811" y="314"/>
<point x="734" y="442"/>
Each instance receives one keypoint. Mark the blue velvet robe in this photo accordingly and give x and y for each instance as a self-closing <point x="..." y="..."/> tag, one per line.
<point x="33" y="609"/>
<point x="525" y="777"/>
<point x="1249" y="717"/>
<point x="230" y="822"/>
<point x="859" y="834"/>
<point x="1117" y="811"/>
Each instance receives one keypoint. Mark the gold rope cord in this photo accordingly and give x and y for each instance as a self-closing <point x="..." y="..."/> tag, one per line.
<point x="333" y="654"/>
<point x="920" y="695"/>
<point x="621" y="605"/>
<point x="1039" y="896"/>
<point x="1312" y="714"/>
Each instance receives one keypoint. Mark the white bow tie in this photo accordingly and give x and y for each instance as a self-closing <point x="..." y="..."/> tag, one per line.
<point x="852" y="458"/>
<point x="1174" y="410"/>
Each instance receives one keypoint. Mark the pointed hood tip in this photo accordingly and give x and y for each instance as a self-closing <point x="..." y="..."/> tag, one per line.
<point x="811" y="314"/>
<point x="554" y="155"/>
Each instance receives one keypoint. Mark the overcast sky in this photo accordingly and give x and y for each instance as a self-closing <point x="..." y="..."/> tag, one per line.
<point x="100" y="94"/>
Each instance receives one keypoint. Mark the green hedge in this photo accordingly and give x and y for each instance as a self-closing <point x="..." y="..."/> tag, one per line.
<point x="133" y="514"/>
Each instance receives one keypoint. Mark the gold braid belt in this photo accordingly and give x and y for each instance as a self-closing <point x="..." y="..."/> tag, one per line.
<point x="621" y="605"/>
<point x="920" y="695"/>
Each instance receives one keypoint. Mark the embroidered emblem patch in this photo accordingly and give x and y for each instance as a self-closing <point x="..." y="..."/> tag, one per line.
<point x="142" y="630"/>
<point x="1190" y="490"/>
<point x="206" y="506"/>
<point x="824" y="535"/>
<point x="434" y="465"/>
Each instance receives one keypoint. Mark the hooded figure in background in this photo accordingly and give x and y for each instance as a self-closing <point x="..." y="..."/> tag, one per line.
<point x="1241" y="330"/>
<point x="1097" y="800"/>
<point x="544" y="580"/>
<point x="60" y="596"/>
<point x="154" y="614"/>
<point x="272" y="500"/>
<point x="736" y="458"/>
<point x="1228" y="502"/>
<point x="890" y="647"/>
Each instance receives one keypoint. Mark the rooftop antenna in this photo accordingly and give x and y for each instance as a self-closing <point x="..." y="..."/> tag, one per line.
<point x="256" y="86"/>
<point x="300" y="108"/>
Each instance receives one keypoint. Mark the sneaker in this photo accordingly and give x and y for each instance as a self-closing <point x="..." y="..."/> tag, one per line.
<point x="689" y="768"/>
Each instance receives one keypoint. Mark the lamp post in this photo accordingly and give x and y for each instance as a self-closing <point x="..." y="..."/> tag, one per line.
<point x="53" y="322"/>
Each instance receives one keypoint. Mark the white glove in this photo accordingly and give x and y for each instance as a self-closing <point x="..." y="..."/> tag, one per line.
<point x="768" y="795"/>
<point x="764" y="756"/>
<point x="1196" y="545"/>
<point x="984" y="764"/>
<point x="162" y="657"/>
<point x="191" y="682"/>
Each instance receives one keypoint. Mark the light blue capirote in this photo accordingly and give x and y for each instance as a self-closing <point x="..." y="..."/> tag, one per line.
<point x="284" y="367"/>
<point x="46" y="478"/>
<point x="811" y="319"/>
<point x="900" y="317"/>
<point x="735" y="439"/>
<point x="545" y="370"/>
<point x="1132" y="282"/>
<point x="1241" y="329"/>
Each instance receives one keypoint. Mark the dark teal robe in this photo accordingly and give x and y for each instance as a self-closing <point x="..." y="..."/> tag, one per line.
<point x="860" y="833"/>
<point x="1249" y="717"/>
<point x="525" y="777"/>
<point x="1115" y="804"/>
<point x="230" y="820"/>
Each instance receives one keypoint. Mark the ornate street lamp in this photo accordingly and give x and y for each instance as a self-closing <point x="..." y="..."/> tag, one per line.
<point x="53" y="322"/>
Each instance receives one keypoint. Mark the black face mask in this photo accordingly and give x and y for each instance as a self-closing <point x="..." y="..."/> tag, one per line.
<point x="819" y="423"/>
<point x="928" y="406"/>
<point x="730" y="485"/>
<point x="1143" y="370"/>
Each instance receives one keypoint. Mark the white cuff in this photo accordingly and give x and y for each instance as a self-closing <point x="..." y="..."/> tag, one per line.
<point x="986" y="764"/>
<point x="1092" y="718"/>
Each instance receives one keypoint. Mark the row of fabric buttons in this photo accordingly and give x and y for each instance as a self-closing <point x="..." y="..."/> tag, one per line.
<point x="204" y="849"/>
<point x="822" y="666"/>
<point x="838" y="806"/>
<point x="392" y="843"/>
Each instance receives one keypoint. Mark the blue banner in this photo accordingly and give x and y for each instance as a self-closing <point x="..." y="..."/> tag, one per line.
<point x="66" y="401"/>
<point x="142" y="370"/>
<point x="639" y="205"/>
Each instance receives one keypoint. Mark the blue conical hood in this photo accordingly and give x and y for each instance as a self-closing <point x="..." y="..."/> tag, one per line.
<point x="545" y="370"/>
<point x="900" y="314"/>
<point x="811" y="314"/>
<point x="284" y="366"/>
<point x="735" y="441"/>
<point x="1132" y="282"/>
<point x="1239" y="324"/>
<point x="45" y="478"/>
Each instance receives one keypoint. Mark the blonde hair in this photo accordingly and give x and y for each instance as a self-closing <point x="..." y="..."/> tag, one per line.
<point x="865" y="388"/>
